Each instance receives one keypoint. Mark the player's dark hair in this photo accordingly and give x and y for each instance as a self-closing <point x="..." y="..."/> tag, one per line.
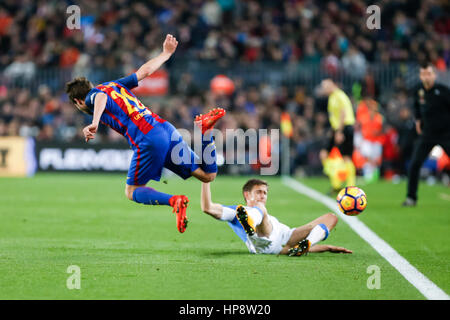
<point x="248" y="186"/>
<point x="78" y="88"/>
<point x="425" y="64"/>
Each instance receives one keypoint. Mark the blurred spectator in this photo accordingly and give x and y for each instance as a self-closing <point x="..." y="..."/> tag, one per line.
<point x="354" y="63"/>
<point x="21" y="68"/>
<point x="329" y="37"/>
<point x="406" y="128"/>
<point x="227" y="29"/>
<point x="369" y="138"/>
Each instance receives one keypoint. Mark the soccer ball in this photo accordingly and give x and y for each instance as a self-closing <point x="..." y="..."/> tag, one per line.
<point x="351" y="201"/>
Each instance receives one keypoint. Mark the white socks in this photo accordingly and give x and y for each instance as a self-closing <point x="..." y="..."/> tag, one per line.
<point x="318" y="233"/>
<point x="255" y="214"/>
<point x="228" y="214"/>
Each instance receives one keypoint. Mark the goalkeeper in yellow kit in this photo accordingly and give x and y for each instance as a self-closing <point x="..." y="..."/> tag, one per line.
<point x="342" y="120"/>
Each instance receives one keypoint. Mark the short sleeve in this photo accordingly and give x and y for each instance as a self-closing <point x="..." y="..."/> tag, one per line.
<point x="90" y="98"/>
<point x="130" y="81"/>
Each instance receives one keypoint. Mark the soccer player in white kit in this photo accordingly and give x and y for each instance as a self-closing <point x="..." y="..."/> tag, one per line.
<point x="263" y="233"/>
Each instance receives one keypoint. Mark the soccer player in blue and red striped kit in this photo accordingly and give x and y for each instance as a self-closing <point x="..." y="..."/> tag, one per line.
<point x="152" y="139"/>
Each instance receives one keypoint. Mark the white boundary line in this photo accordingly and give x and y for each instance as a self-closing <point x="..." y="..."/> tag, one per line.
<point x="408" y="271"/>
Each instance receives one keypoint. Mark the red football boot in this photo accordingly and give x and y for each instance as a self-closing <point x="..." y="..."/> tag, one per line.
<point x="207" y="121"/>
<point x="179" y="204"/>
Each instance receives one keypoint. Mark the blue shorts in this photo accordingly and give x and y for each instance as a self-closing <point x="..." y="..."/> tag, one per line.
<point x="162" y="147"/>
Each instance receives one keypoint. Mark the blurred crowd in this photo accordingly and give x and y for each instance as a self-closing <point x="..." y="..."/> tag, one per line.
<point x="51" y="117"/>
<point x="125" y="33"/>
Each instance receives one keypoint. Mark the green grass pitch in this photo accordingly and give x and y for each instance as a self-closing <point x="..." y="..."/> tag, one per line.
<point x="130" y="251"/>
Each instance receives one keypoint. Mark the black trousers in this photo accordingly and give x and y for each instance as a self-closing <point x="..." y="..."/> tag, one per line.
<point x="346" y="147"/>
<point x="420" y="154"/>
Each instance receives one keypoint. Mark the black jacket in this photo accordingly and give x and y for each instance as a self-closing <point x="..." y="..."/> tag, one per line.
<point x="432" y="107"/>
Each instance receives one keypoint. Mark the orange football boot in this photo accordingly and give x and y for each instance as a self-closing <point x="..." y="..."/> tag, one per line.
<point x="207" y="121"/>
<point x="179" y="204"/>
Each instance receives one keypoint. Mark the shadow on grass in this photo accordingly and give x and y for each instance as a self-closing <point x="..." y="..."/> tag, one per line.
<point x="221" y="253"/>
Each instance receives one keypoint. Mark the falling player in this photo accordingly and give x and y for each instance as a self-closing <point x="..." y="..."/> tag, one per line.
<point x="263" y="233"/>
<point x="152" y="139"/>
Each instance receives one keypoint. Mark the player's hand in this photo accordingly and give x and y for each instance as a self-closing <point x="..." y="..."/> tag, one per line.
<point x="170" y="44"/>
<point x="90" y="131"/>
<point x="338" y="249"/>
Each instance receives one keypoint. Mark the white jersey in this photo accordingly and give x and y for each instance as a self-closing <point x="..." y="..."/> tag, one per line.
<point x="270" y="245"/>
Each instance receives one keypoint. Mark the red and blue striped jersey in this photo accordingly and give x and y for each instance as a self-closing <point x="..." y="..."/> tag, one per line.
<point x="124" y="112"/>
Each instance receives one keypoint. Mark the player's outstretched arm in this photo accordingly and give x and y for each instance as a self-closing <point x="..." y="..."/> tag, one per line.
<point x="213" y="209"/>
<point x="324" y="248"/>
<point x="99" y="106"/>
<point x="169" y="46"/>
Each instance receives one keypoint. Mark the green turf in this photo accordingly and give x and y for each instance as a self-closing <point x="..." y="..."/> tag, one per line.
<point x="420" y="234"/>
<point x="131" y="251"/>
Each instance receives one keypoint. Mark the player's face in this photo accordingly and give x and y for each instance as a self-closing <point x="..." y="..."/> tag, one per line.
<point x="258" y="194"/>
<point x="81" y="105"/>
<point x="327" y="87"/>
<point x="78" y="104"/>
<point x="427" y="76"/>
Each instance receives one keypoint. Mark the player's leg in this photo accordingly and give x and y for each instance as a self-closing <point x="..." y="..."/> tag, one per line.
<point x="327" y="159"/>
<point x="420" y="153"/>
<point x="351" y="171"/>
<point x="206" y="122"/>
<point x="372" y="152"/>
<point x="311" y="233"/>
<point x="323" y="154"/>
<point x="254" y="220"/>
<point x="346" y="148"/>
<point x="183" y="161"/>
<point x="146" y="195"/>
<point x="146" y="165"/>
<point x="149" y="196"/>
<point x="203" y="176"/>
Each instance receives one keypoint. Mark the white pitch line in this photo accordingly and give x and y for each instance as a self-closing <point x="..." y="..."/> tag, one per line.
<point x="425" y="286"/>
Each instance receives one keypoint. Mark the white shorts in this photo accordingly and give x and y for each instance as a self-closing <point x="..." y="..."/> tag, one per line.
<point x="371" y="150"/>
<point x="273" y="244"/>
<point x="368" y="149"/>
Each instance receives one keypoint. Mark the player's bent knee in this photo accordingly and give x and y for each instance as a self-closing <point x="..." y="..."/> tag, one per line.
<point x="129" y="190"/>
<point x="333" y="219"/>
<point x="213" y="176"/>
<point x="204" y="176"/>
<point x="209" y="177"/>
<point x="128" y="194"/>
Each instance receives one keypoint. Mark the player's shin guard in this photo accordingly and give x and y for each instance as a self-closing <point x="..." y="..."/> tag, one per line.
<point x="209" y="161"/>
<point x="150" y="196"/>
